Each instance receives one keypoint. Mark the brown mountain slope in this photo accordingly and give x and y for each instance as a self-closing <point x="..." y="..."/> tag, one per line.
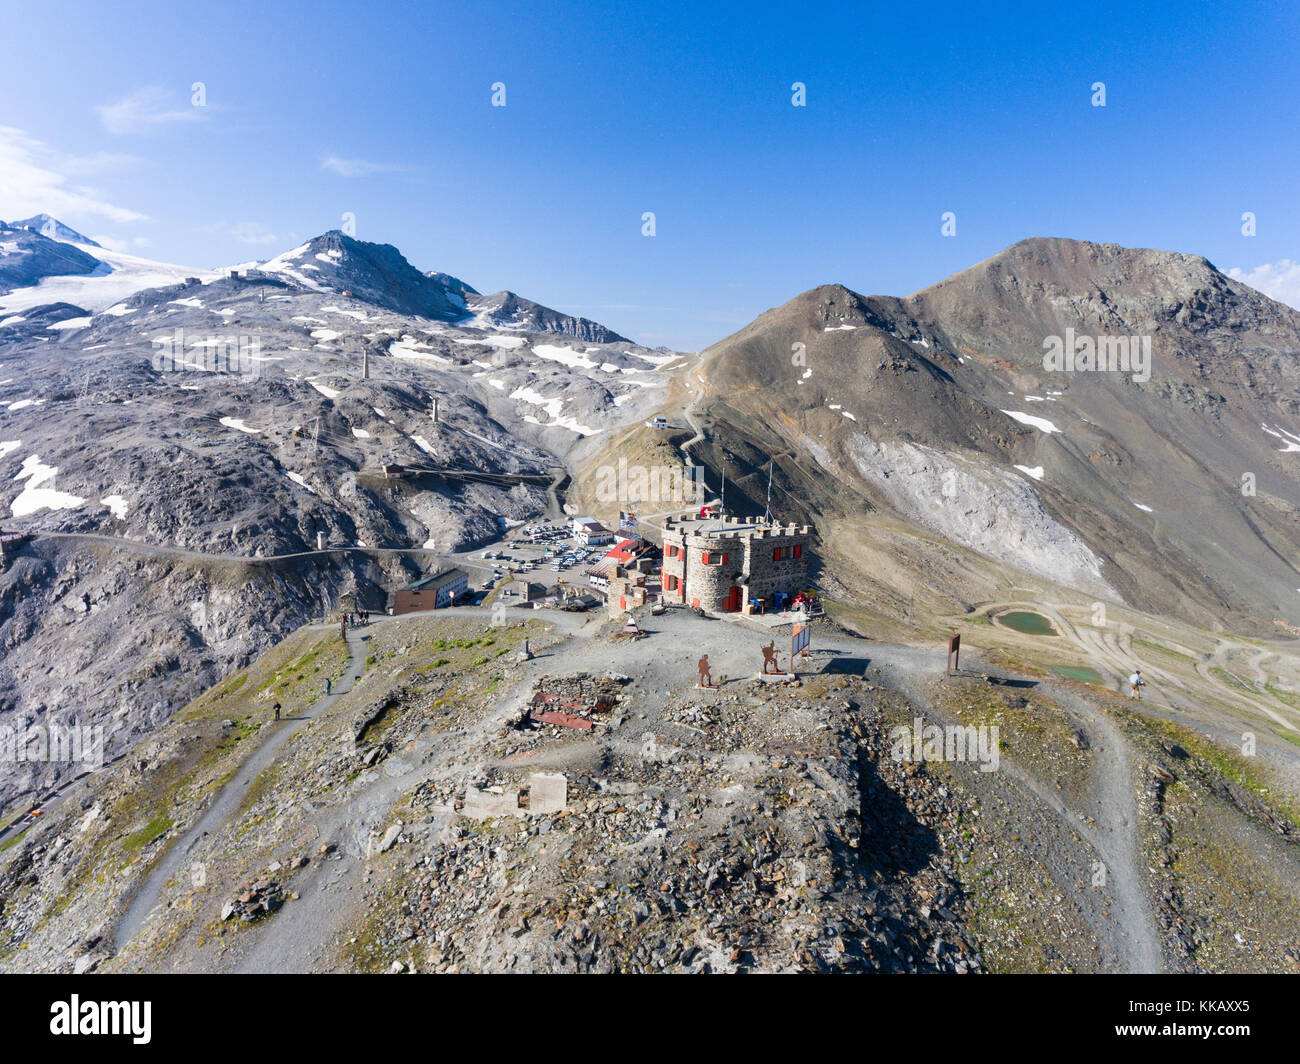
<point x="1132" y="486"/>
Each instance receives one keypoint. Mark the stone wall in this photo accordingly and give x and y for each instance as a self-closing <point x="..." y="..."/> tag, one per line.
<point x="750" y="566"/>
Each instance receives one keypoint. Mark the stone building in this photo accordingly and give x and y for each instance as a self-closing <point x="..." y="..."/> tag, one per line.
<point x="432" y="592"/>
<point x="733" y="564"/>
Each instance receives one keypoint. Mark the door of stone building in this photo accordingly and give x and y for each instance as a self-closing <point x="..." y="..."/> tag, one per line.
<point x="732" y="603"/>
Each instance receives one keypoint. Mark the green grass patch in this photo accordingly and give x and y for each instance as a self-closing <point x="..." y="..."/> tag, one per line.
<point x="1230" y="679"/>
<point x="1291" y="698"/>
<point x="1231" y="765"/>
<point x="1163" y="651"/>
<point x="159" y="825"/>
<point x="13" y="841"/>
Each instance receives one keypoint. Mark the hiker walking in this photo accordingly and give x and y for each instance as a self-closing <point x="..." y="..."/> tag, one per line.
<point x="1135" y="685"/>
<point x="328" y="685"/>
<point x="276" y="707"/>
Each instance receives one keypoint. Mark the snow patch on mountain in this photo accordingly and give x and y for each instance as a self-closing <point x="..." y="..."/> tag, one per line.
<point x="33" y="497"/>
<point x="1040" y="423"/>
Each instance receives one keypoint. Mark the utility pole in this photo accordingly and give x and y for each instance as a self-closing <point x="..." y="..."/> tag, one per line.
<point x="315" y="436"/>
<point x="767" y="513"/>
<point x="434" y="413"/>
<point x="365" y="363"/>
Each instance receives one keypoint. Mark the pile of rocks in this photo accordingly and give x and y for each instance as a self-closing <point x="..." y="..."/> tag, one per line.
<point x="256" y="901"/>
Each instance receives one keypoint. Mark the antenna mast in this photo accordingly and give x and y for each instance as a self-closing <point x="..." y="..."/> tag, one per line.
<point x="767" y="513"/>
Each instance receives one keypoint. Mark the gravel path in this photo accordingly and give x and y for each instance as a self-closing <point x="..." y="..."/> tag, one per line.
<point x="228" y="799"/>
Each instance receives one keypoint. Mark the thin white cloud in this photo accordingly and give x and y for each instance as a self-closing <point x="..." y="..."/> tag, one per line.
<point x="244" y="232"/>
<point x="33" y="180"/>
<point x="253" y="233"/>
<point x="336" y="164"/>
<point x="146" y="109"/>
<point x="116" y="243"/>
<point x="103" y="162"/>
<point x="1278" y="280"/>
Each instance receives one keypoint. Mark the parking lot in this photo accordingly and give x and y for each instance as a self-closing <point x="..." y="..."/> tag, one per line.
<point x="547" y="550"/>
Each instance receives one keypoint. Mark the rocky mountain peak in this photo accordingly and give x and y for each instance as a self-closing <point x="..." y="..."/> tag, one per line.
<point x="375" y="273"/>
<point x="49" y="226"/>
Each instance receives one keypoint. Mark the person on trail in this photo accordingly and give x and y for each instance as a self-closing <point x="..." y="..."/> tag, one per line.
<point x="328" y="685"/>
<point x="1135" y="685"/>
<point x="277" y="711"/>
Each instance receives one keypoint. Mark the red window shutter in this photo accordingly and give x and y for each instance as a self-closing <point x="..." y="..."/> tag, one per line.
<point x="706" y="558"/>
<point x="798" y="550"/>
<point x="724" y="558"/>
<point x="776" y="554"/>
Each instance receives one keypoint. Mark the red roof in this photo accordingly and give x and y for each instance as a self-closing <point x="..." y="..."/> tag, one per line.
<point x="626" y="550"/>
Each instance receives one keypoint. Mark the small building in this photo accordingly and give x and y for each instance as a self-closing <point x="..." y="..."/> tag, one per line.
<point x="627" y="558"/>
<point x="576" y="523"/>
<point x="593" y="533"/>
<point x="634" y="553"/>
<point x="393" y="470"/>
<point x="432" y="592"/>
<point x="733" y="564"/>
<point x="659" y="422"/>
<point x="524" y="590"/>
<point x="626" y="593"/>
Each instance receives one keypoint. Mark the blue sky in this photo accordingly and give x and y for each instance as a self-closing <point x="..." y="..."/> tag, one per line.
<point x="384" y="110"/>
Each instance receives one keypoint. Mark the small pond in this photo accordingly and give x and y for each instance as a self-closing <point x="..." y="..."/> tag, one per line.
<point x="1026" y="623"/>
<point x="1081" y="672"/>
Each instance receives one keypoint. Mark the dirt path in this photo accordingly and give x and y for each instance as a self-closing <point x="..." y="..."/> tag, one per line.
<point x="227" y="801"/>
<point x="1111" y="826"/>
<point x="1115" y="837"/>
<point x="303" y="935"/>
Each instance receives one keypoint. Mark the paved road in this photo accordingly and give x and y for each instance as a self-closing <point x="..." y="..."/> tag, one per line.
<point x="163" y="550"/>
